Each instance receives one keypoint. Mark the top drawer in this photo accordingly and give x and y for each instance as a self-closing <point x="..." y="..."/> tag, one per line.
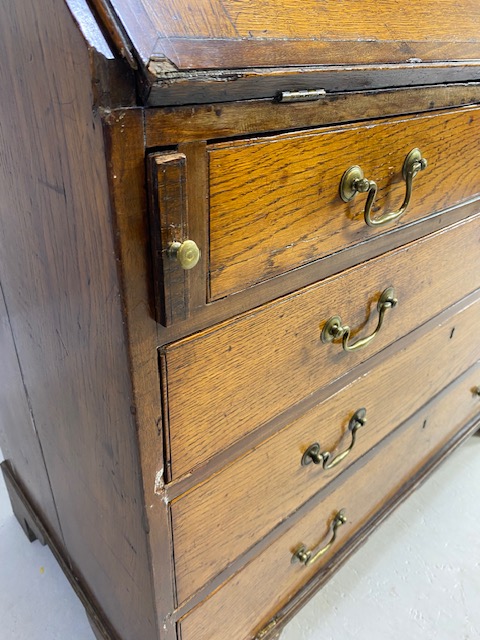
<point x="275" y="203"/>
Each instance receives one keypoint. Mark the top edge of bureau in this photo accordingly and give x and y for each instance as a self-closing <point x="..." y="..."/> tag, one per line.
<point x="187" y="53"/>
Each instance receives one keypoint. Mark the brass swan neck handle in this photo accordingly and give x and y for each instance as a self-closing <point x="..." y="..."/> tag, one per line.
<point x="354" y="181"/>
<point x="309" y="556"/>
<point x="315" y="455"/>
<point x="333" y="328"/>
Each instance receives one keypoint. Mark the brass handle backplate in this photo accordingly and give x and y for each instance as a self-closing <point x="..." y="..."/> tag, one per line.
<point x="186" y="253"/>
<point x="354" y="181"/>
<point x="315" y="455"/>
<point x="309" y="556"/>
<point x="333" y="328"/>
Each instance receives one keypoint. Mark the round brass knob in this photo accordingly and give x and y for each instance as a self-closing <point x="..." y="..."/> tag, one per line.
<point x="186" y="253"/>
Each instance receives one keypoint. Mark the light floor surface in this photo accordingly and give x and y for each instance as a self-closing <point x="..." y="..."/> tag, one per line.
<point x="417" y="578"/>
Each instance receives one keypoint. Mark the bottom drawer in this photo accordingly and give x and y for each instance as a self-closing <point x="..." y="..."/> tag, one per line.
<point x="251" y="597"/>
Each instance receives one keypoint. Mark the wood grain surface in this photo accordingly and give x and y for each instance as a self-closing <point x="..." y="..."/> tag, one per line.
<point x="207" y="315"/>
<point x="253" y="439"/>
<point x="177" y="188"/>
<point x="255" y="505"/>
<point x="224" y="382"/>
<point x="168" y="223"/>
<point x="96" y="429"/>
<point x="62" y="293"/>
<point x="232" y="34"/>
<point x="275" y="204"/>
<point x="193" y="54"/>
<point x="251" y="84"/>
<point x="165" y="127"/>
<point x="19" y="441"/>
<point x="377" y="480"/>
<point x="126" y="173"/>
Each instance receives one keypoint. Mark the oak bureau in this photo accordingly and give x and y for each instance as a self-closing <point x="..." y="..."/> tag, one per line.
<point x="240" y="291"/>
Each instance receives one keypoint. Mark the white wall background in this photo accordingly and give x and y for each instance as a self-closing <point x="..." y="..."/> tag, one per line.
<point x="417" y="578"/>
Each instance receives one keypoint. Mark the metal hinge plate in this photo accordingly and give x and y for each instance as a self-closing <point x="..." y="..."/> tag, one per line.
<point x="266" y="630"/>
<point x="305" y="95"/>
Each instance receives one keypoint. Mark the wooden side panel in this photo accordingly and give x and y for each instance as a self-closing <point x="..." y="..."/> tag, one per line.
<point x="255" y="504"/>
<point x="275" y="204"/>
<point x="18" y="434"/>
<point x="277" y="349"/>
<point x="386" y="473"/>
<point x="59" y="276"/>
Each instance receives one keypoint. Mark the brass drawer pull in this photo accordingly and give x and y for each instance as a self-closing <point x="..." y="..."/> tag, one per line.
<point x="309" y="556"/>
<point x="353" y="182"/>
<point x="313" y="453"/>
<point x="186" y="253"/>
<point x="333" y="328"/>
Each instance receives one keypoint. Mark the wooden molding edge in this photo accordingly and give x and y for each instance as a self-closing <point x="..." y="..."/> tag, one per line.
<point x="113" y="27"/>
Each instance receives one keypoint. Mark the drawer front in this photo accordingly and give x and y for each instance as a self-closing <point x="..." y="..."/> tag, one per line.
<point x="226" y="381"/>
<point x="361" y="495"/>
<point x="255" y="504"/>
<point x="275" y="203"/>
